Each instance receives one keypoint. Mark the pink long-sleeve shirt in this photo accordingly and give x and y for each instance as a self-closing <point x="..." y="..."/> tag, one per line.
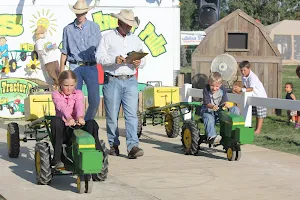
<point x="68" y="107"/>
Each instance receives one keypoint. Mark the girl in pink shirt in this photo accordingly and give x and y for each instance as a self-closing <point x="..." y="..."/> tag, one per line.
<point x="69" y="107"/>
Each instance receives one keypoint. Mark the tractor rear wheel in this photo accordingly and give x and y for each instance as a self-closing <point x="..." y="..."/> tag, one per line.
<point x="12" y="65"/>
<point x="13" y="140"/>
<point x="102" y="176"/>
<point x="172" y="123"/>
<point x="42" y="163"/>
<point x="190" y="136"/>
<point x="140" y="124"/>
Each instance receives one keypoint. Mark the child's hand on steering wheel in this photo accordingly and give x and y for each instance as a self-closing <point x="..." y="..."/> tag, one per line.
<point x="215" y="108"/>
<point x="70" y="122"/>
<point x="81" y="121"/>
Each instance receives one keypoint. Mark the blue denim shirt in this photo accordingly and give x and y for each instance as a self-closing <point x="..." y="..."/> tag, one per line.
<point x="80" y="44"/>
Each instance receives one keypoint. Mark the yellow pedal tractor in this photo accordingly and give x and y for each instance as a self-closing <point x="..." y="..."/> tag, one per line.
<point x="232" y="129"/>
<point x="163" y="107"/>
<point x="80" y="156"/>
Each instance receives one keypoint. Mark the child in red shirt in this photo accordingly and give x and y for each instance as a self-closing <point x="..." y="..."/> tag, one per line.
<point x="69" y="107"/>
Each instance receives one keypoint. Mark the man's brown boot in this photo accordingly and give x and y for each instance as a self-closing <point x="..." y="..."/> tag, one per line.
<point x="114" y="151"/>
<point x="135" y="152"/>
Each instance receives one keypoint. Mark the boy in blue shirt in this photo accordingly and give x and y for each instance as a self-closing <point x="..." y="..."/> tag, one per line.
<point x="3" y="50"/>
<point x="214" y="96"/>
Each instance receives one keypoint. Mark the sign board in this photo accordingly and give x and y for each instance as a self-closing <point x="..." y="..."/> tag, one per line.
<point x="192" y="37"/>
<point x="158" y="30"/>
<point x="13" y="91"/>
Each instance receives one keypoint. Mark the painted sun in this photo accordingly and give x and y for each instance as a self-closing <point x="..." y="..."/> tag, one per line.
<point x="46" y="19"/>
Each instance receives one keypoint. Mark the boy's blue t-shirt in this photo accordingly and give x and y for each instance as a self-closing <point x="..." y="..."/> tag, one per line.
<point x="218" y="98"/>
<point x="2" y="48"/>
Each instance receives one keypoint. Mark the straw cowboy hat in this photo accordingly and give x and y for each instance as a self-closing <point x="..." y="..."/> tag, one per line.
<point x="127" y="17"/>
<point x="80" y="7"/>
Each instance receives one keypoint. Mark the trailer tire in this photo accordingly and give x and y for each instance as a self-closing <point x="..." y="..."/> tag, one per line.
<point x="140" y="124"/>
<point x="13" y="140"/>
<point x="42" y="163"/>
<point x="102" y="176"/>
<point x="190" y="137"/>
<point x="172" y="124"/>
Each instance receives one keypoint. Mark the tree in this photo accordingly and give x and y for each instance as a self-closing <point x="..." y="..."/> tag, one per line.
<point x="267" y="11"/>
<point x="187" y="9"/>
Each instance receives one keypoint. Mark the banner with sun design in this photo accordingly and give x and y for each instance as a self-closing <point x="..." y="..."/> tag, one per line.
<point x="158" y="30"/>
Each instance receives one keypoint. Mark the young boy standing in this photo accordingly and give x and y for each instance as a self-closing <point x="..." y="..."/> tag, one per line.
<point x="252" y="84"/>
<point x="214" y="96"/>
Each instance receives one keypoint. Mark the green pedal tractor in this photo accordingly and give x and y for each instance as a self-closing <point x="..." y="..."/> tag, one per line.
<point x="80" y="156"/>
<point x="232" y="129"/>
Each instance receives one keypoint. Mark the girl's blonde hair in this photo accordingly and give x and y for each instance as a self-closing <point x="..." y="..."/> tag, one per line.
<point x="215" y="77"/>
<point x="66" y="75"/>
<point x="38" y="31"/>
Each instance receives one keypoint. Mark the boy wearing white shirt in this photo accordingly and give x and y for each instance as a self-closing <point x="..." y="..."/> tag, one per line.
<point x="252" y="84"/>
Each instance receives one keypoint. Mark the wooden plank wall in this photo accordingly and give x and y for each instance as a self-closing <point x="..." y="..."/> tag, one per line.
<point x="101" y="108"/>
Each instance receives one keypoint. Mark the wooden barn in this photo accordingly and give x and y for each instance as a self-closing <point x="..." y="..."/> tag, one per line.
<point x="243" y="37"/>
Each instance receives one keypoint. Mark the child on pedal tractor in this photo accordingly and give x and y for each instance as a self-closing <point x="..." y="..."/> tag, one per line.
<point x="69" y="107"/>
<point x="214" y="96"/>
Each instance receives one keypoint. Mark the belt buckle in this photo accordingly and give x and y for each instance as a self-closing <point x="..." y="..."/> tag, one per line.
<point x="122" y="77"/>
<point x="80" y="63"/>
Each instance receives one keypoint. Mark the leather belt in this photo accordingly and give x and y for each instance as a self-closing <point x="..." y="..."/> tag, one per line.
<point x="82" y="63"/>
<point x="120" y="77"/>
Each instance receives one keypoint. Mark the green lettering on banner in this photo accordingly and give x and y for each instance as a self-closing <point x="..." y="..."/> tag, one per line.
<point x="155" y="43"/>
<point x="11" y="25"/>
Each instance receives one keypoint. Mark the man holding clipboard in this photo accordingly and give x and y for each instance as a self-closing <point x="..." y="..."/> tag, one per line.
<point x="120" y="53"/>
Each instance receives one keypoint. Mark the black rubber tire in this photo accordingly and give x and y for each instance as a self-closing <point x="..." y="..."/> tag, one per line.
<point x="175" y="130"/>
<point x="23" y="56"/>
<point x="195" y="132"/>
<point x="34" y="55"/>
<point x="13" y="135"/>
<point x="1" y="107"/>
<point x="102" y="176"/>
<point x="11" y="110"/>
<point x="140" y="124"/>
<point x="45" y="176"/>
<point x="11" y="63"/>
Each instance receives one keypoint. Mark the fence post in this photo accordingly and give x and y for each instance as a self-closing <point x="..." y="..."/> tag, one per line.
<point x="247" y="109"/>
<point x="186" y="98"/>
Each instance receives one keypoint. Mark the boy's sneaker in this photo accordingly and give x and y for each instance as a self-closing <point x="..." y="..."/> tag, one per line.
<point x="215" y="140"/>
<point x="297" y="126"/>
<point x="57" y="164"/>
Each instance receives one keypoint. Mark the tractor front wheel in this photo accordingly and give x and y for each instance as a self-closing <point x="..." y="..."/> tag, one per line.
<point x="84" y="183"/>
<point x="233" y="154"/>
<point x="42" y="163"/>
<point x="190" y="137"/>
<point x="102" y="176"/>
<point x="13" y="140"/>
<point x="172" y="123"/>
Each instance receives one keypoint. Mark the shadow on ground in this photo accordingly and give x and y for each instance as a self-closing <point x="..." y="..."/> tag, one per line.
<point x="24" y="167"/>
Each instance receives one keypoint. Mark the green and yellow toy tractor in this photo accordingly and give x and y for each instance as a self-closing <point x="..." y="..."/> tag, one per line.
<point x="233" y="132"/>
<point x="80" y="156"/>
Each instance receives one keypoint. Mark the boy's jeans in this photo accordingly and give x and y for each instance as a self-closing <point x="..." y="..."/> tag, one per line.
<point x="209" y="121"/>
<point x="125" y="92"/>
<point x="88" y="74"/>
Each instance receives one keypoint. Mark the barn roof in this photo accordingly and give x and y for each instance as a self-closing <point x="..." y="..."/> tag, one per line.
<point x="286" y="27"/>
<point x="251" y="20"/>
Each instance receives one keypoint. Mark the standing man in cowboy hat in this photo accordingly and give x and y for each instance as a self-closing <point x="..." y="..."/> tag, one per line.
<point x="80" y="40"/>
<point x="120" y="85"/>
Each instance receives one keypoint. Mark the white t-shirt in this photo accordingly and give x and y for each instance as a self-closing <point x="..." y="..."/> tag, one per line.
<point x="252" y="81"/>
<point x="46" y="50"/>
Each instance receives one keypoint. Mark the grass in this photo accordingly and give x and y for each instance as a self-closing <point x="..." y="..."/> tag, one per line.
<point x="276" y="133"/>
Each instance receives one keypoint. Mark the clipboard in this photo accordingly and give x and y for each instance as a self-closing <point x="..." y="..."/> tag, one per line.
<point x="131" y="56"/>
